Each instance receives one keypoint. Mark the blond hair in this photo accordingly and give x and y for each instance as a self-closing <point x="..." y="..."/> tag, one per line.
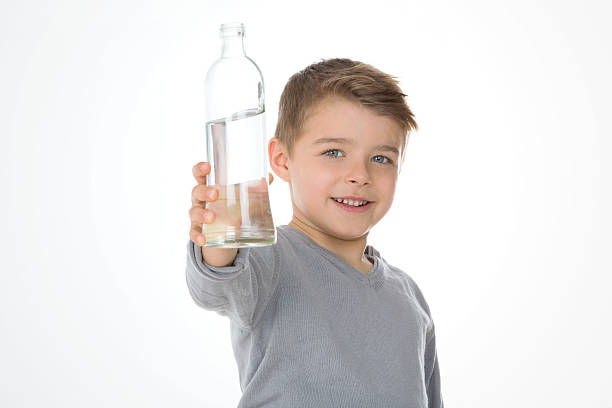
<point x="353" y="80"/>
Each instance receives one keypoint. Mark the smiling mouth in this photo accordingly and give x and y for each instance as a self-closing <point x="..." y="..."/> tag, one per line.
<point x="362" y="203"/>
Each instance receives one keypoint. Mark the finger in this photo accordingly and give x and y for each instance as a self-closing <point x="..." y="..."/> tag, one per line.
<point x="195" y="234"/>
<point x="199" y="216"/>
<point x="200" y="170"/>
<point x="197" y="195"/>
<point x="270" y="178"/>
<point x="202" y="193"/>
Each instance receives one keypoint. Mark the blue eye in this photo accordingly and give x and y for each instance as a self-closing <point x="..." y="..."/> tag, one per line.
<point x="331" y="150"/>
<point x="385" y="157"/>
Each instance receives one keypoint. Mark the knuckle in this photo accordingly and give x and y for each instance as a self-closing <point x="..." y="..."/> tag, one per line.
<point x="196" y="227"/>
<point x="196" y="214"/>
<point x="193" y="233"/>
<point x="196" y="192"/>
<point x="201" y="215"/>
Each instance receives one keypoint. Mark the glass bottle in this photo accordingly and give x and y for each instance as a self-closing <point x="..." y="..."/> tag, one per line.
<point x="236" y="147"/>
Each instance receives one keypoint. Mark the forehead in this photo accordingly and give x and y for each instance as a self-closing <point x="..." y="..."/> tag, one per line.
<point x="339" y="118"/>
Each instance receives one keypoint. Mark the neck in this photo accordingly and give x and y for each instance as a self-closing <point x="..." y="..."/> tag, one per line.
<point x="352" y="251"/>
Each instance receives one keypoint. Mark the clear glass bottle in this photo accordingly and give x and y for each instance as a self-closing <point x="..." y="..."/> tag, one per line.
<point x="237" y="147"/>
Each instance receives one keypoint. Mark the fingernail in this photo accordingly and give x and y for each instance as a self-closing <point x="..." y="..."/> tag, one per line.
<point x="203" y="167"/>
<point x="200" y="240"/>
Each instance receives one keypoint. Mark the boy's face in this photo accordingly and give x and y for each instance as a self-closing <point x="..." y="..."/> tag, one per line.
<point x="362" y="165"/>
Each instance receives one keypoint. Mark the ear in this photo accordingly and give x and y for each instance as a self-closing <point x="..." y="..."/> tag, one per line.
<point x="277" y="153"/>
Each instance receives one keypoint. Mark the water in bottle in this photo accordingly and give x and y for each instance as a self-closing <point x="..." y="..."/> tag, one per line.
<point x="243" y="214"/>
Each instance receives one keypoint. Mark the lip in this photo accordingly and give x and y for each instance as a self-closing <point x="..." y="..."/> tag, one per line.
<point x="353" y="209"/>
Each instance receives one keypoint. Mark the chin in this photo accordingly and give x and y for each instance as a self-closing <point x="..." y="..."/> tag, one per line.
<point x="349" y="234"/>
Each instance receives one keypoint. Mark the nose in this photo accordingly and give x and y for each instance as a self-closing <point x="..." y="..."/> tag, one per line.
<point x="358" y="174"/>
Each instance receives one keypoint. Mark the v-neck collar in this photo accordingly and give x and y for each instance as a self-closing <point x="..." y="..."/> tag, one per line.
<point x="372" y="278"/>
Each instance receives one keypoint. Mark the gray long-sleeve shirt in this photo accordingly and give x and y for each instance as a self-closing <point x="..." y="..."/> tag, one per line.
<point x="310" y="330"/>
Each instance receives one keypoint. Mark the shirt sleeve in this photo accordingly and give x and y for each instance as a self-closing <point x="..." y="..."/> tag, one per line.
<point x="432" y="373"/>
<point x="239" y="291"/>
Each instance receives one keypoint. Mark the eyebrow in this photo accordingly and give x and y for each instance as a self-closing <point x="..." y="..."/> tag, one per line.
<point x="342" y="140"/>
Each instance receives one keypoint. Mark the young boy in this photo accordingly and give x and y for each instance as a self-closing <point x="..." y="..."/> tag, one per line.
<point x="320" y="319"/>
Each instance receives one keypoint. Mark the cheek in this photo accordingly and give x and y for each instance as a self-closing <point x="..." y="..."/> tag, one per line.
<point x="387" y="188"/>
<point x="308" y="186"/>
<point x="304" y="185"/>
<point x="313" y="188"/>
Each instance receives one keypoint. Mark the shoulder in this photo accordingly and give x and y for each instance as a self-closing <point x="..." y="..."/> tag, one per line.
<point x="283" y="241"/>
<point x="401" y="279"/>
<point x="292" y="242"/>
<point x="284" y="247"/>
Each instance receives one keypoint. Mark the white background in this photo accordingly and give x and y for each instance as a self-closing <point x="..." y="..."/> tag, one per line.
<point x="499" y="215"/>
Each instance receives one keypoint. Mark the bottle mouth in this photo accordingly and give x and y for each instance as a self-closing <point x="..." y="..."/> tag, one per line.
<point x="231" y="29"/>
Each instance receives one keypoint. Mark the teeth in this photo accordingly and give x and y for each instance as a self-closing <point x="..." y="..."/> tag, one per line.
<point x="351" y="202"/>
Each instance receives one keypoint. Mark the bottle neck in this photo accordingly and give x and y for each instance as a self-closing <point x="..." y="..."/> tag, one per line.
<point x="232" y="46"/>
